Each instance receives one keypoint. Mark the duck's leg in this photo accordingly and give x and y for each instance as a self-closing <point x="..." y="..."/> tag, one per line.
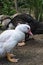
<point x="9" y="57"/>
<point x="21" y="43"/>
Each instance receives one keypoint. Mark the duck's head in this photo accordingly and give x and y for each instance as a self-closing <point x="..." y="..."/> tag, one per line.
<point x="25" y="28"/>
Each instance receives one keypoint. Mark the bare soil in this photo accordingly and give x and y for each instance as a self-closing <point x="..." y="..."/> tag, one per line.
<point x="30" y="54"/>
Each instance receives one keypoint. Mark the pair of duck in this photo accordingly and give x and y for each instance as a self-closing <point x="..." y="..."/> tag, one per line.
<point x="10" y="38"/>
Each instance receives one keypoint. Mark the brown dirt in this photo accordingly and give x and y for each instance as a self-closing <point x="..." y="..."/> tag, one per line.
<point x="30" y="54"/>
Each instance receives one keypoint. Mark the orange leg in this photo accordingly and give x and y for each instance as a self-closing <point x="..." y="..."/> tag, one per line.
<point x="9" y="57"/>
<point x="21" y="43"/>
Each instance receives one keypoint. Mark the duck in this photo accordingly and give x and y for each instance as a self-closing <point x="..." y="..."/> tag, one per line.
<point x="25" y="18"/>
<point x="10" y="38"/>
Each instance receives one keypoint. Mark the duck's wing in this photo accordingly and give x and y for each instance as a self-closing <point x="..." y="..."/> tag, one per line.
<point x="4" y="36"/>
<point x="10" y="44"/>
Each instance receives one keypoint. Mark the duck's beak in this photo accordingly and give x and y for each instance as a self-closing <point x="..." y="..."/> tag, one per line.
<point x="30" y="33"/>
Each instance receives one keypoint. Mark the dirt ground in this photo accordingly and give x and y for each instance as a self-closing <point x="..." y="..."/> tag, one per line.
<point x="30" y="54"/>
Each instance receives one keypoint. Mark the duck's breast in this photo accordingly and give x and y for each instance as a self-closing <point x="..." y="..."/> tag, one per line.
<point x="18" y="36"/>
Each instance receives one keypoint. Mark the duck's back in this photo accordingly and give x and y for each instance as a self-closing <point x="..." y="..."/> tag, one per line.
<point x="6" y="35"/>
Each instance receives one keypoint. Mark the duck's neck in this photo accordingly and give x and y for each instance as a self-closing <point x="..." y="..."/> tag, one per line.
<point x="20" y="34"/>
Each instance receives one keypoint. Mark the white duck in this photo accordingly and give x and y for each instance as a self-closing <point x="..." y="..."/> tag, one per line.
<point x="9" y="38"/>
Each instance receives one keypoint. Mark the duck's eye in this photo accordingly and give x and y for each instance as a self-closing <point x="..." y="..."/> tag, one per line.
<point x="27" y="28"/>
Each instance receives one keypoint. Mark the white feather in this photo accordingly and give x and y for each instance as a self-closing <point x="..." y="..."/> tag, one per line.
<point x="9" y="38"/>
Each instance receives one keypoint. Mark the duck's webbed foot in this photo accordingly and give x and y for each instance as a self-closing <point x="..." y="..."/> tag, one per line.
<point x="9" y="57"/>
<point x="21" y="43"/>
